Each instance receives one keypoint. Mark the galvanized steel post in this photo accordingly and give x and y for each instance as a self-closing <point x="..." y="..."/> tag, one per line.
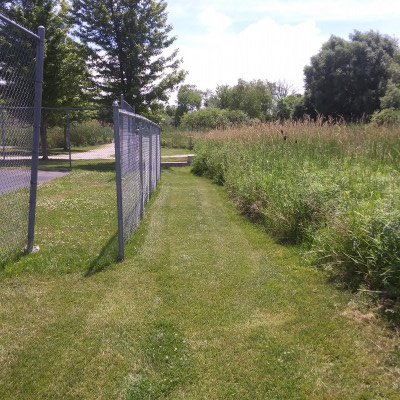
<point x="3" y="135"/>
<point x="69" y="140"/>
<point x="37" y="114"/>
<point x="141" y="170"/>
<point x="118" y="181"/>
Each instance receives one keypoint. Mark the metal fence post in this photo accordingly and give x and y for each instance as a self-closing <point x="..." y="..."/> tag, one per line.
<point x="141" y="170"/>
<point x="118" y="181"/>
<point x="36" y="134"/>
<point x="69" y="140"/>
<point x="159" y="155"/>
<point x="150" y="160"/>
<point x="3" y="134"/>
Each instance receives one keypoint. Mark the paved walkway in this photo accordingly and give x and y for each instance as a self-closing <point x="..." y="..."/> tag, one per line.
<point x="104" y="152"/>
<point x="13" y="179"/>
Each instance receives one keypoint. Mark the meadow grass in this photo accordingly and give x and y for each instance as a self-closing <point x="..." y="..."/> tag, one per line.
<point x="205" y="305"/>
<point x="332" y="188"/>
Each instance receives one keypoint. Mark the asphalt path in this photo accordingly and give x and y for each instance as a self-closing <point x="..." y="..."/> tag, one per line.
<point x="13" y="179"/>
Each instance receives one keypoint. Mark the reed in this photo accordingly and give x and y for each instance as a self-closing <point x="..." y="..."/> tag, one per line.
<point x="332" y="188"/>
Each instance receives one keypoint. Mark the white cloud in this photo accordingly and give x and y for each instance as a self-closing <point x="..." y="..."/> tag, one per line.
<point x="295" y="10"/>
<point x="214" y="21"/>
<point x="221" y="41"/>
<point x="330" y="10"/>
<point x="264" y="50"/>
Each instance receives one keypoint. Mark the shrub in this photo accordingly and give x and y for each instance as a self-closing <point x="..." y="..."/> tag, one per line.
<point x="214" y="118"/>
<point x="88" y="133"/>
<point x="388" y="116"/>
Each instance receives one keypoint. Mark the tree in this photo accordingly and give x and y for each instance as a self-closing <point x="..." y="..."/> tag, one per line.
<point x="254" y="98"/>
<point x="66" y="79"/>
<point x="130" y="39"/>
<point x="348" y="78"/>
<point x="290" y="107"/>
<point x="391" y="99"/>
<point x="189" y="99"/>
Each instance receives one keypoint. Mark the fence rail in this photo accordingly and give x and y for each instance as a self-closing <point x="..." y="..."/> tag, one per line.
<point x="137" y="163"/>
<point x="21" y="76"/>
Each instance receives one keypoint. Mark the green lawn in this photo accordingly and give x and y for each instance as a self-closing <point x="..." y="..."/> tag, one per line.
<point x="166" y="151"/>
<point x="205" y="306"/>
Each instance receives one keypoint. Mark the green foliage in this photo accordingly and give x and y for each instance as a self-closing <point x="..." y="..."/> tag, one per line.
<point x="348" y="78"/>
<point x="388" y="116"/>
<point x="214" y="118"/>
<point x="391" y="99"/>
<point x="253" y="98"/>
<point x="66" y="80"/>
<point x="189" y="99"/>
<point x="290" y="107"/>
<point x="176" y="139"/>
<point x="87" y="133"/>
<point x="129" y="39"/>
<point x="334" y="191"/>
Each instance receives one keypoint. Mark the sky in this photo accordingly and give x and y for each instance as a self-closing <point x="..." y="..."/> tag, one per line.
<point x="221" y="41"/>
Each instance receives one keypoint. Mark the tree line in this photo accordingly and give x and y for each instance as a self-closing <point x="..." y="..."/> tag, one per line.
<point x="352" y="80"/>
<point x="96" y="50"/>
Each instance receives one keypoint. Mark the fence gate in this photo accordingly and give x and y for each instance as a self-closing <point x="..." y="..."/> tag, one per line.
<point x="137" y="163"/>
<point x="21" y="75"/>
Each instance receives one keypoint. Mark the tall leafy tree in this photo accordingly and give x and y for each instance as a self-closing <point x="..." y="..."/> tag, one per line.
<point x="189" y="99"/>
<point x="254" y="98"/>
<point x="66" y="78"/>
<point x="348" y="77"/>
<point x="130" y="39"/>
<point x="391" y="99"/>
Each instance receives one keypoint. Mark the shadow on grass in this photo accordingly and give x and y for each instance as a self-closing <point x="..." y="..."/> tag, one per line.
<point x="10" y="259"/>
<point x="86" y="165"/>
<point x="107" y="256"/>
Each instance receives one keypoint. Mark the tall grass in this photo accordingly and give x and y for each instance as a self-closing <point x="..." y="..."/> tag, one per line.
<point x="332" y="188"/>
<point x="176" y="138"/>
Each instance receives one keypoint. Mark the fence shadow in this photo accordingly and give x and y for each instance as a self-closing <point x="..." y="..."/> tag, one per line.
<point x="107" y="256"/>
<point x="86" y="165"/>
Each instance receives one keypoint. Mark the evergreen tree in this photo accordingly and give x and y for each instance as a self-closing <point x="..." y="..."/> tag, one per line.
<point x="130" y="38"/>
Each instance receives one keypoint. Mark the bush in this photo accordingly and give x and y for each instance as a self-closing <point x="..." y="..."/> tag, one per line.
<point x="388" y="116"/>
<point x="88" y="133"/>
<point x="214" y="118"/>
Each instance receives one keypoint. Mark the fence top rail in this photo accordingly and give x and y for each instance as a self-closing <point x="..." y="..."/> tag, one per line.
<point x="137" y="116"/>
<point x="53" y="108"/>
<point x="21" y="28"/>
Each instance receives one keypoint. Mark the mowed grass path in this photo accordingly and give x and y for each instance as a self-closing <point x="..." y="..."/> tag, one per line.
<point x="205" y="306"/>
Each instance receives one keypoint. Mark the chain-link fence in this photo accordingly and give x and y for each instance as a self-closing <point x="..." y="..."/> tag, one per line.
<point x="21" y="72"/>
<point x="137" y="157"/>
<point x="77" y="135"/>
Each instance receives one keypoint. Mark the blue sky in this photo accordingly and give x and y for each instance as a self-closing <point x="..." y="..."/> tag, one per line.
<point x="221" y="41"/>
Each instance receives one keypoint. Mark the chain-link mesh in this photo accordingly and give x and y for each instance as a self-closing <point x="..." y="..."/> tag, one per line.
<point x="137" y="156"/>
<point x="76" y="135"/>
<point x="17" y="95"/>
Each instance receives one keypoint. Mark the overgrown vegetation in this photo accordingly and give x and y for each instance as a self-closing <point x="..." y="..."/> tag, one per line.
<point x="87" y="133"/>
<point x="331" y="188"/>
<point x="233" y="316"/>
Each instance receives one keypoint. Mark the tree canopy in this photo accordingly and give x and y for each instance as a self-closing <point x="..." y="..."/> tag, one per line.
<point x="189" y="99"/>
<point x="254" y="98"/>
<point x="66" y="77"/>
<point x="347" y="78"/>
<point x="130" y="39"/>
